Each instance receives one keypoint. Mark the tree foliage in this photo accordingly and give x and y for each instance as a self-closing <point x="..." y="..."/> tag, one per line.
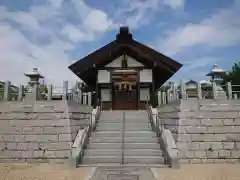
<point x="43" y="90"/>
<point x="234" y="77"/>
<point x="12" y="91"/>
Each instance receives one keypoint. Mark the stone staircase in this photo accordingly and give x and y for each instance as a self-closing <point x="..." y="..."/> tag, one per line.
<point x="117" y="141"/>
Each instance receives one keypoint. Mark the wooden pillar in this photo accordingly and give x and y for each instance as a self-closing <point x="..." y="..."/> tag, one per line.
<point x="138" y="90"/>
<point x="96" y="93"/>
<point x="80" y="93"/>
<point x="153" y="97"/>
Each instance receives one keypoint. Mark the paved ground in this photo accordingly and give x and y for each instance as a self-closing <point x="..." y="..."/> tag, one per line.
<point x="42" y="172"/>
<point x="122" y="173"/>
<point x="200" y="172"/>
<point x="61" y="172"/>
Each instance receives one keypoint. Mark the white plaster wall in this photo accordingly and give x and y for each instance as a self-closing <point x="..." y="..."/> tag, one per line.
<point x="133" y="63"/>
<point x="144" y="94"/>
<point x="106" y="94"/>
<point x="146" y="75"/>
<point x="130" y="61"/>
<point x="116" y="63"/>
<point x="103" y="76"/>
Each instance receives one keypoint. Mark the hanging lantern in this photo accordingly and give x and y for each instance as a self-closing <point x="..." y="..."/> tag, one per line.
<point x="130" y="87"/>
<point x="120" y="86"/>
<point x="125" y="86"/>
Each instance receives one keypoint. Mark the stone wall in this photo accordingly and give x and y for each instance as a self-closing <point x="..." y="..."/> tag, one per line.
<point x="39" y="132"/>
<point x="206" y="131"/>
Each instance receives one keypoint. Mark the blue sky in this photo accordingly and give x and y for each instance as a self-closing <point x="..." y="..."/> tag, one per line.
<point x="52" y="34"/>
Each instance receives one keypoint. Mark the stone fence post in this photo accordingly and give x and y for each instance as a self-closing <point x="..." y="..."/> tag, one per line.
<point x="199" y="91"/>
<point x="229" y="90"/>
<point x="65" y="90"/>
<point x="6" y="95"/>
<point x="35" y="93"/>
<point x="183" y="90"/>
<point x="84" y="98"/>
<point x="214" y="90"/>
<point x="174" y="92"/>
<point x="50" y="90"/>
<point x="164" y="97"/>
<point x="159" y="98"/>
<point x="89" y="94"/>
<point x="20" y="93"/>
<point x="235" y="97"/>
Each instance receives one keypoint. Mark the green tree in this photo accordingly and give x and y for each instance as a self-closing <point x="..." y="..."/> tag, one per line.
<point x="43" y="90"/>
<point x="1" y="91"/>
<point x="13" y="93"/>
<point x="234" y="77"/>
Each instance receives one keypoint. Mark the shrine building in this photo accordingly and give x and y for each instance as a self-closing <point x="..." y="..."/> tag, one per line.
<point x="125" y="73"/>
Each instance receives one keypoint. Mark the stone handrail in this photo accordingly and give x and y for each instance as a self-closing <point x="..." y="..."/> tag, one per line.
<point x="170" y="148"/>
<point x="166" y="140"/>
<point x="78" y="146"/>
<point x="82" y="138"/>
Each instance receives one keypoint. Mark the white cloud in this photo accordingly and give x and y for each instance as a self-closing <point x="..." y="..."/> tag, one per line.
<point x="221" y="29"/>
<point x="56" y="3"/>
<point x="20" y="55"/>
<point x="75" y="34"/>
<point x="174" y="3"/>
<point x="97" y="21"/>
<point x="140" y="12"/>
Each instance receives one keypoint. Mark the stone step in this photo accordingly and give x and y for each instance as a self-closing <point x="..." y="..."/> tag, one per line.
<point x="127" y="152"/>
<point x="127" y="159"/>
<point x="126" y="139"/>
<point x="126" y="134"/>
<point x="119" y="128"/>
<point x="126" y="146"/>
<point x="127" y="123"/>
<point x="121" y="121"/>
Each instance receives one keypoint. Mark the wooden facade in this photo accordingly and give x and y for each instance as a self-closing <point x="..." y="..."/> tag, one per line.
<point x="125" y="73"/>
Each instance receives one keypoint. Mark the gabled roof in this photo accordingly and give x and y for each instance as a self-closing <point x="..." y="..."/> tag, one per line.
<point x="163" y="66"/>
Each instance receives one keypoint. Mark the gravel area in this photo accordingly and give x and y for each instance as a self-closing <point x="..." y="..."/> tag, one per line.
<point x="42" y="172"/>
<point x="200" y="172"/>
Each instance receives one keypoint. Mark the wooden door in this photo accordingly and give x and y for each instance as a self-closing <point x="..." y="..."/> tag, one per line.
<point x="125" y="91"/>
<point x="125" y="99"/>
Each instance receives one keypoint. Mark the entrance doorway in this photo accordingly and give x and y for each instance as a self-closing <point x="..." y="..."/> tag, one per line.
<point x="125" y="90"/>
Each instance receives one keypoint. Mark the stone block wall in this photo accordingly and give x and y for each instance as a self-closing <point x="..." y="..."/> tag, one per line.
<point x="39" y="132"/>
<point x="206" y="131"/>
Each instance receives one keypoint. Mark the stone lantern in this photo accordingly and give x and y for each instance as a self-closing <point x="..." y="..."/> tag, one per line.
<point x="217" y="75"/>
<point x="34" y="76"/>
